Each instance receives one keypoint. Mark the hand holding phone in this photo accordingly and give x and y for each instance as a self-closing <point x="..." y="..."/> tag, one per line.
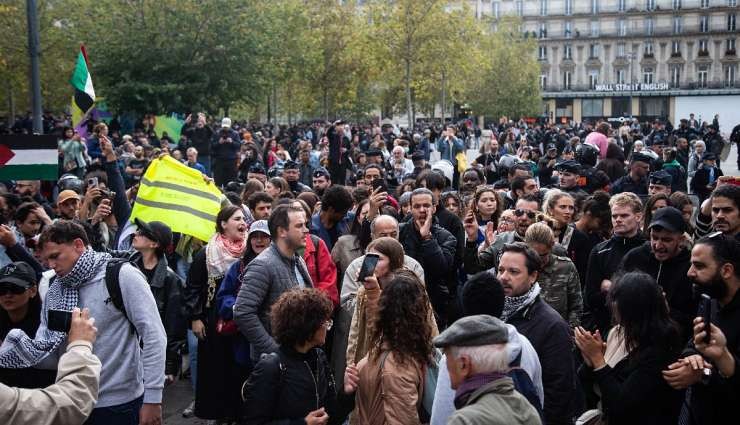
<point x="59" y="320"/>
<point x="368" y="267"/>
<point x="705" y="310"/>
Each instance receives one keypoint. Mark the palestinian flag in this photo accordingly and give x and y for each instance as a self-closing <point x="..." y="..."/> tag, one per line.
<point x="82" y="82"/>
<point x="28" y="157"/>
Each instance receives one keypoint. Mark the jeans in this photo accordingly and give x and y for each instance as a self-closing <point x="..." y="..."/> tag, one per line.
<point x="122" y="414"/>
<point x="193" y="356"/>
<point x="206" y="161"/>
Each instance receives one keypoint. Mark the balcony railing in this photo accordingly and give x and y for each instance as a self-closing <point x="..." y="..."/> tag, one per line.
<point x="667" y="31"/>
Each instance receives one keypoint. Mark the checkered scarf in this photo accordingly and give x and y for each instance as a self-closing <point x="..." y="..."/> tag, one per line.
<point x="514" y="304"/>
<point x="20" y="350"/>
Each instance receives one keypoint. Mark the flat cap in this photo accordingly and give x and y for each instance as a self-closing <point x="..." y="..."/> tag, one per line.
<point x="373" y="152"/>
<point x="709" y="156"/>
<point x="417" y="156"/>
<point x="661" y="177"/>
<point x="290" y="165"/>
<point x="473" y="331"/>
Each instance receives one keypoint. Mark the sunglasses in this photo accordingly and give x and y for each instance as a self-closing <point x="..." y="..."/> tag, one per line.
<point x="11" y="289"/>
<point x="520" y="212"/>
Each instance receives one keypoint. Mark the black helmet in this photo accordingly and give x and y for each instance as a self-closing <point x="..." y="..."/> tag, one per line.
<point x="587" y="155"/>
<point x="70" y="182"/>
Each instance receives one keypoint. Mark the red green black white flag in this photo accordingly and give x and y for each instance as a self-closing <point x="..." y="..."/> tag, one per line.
<point x="29" y="157"/>
<point x="82" y="82"/>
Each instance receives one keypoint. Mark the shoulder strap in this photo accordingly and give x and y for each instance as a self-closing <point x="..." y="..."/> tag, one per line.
<point x="315" y="241"/>
<point x="113" y="285"/>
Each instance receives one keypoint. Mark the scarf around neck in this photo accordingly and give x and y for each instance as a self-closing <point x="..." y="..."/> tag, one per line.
<point x="471" y="384"/>
<point x="514" y="304"/>
<point x="20" y="350"/>
<point x="221" y="253"/>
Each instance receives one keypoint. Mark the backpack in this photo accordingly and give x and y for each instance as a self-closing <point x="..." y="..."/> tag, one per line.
<point x="113" y="285"/>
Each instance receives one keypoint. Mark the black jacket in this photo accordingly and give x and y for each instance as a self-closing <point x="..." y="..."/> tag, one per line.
<point x="671" y="276"/>
<point x="626" y="184"/>
<point x="452" y="224"/>
<point x="602" y="263"/>
<point x="551" y="338"/>
<point x="437" y="257"/>
<point x="715" y="402"/>
<point x="167" y="288"/>
<point x="201" y="138"/>
<point x="285" y="386"/>
<point x="634" y="392"/>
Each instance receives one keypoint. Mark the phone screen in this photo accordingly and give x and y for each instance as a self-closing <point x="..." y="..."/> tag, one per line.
<point x="379" y="183"/>
<point x="92" y="182"/>
<point x="59" y="320"/>
<point x="368" y="266"/>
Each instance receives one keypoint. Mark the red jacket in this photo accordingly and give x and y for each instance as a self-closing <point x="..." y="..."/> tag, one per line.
<point x="325" y="278"/>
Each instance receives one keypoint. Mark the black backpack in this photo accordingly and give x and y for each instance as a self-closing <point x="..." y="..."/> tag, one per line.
<point x="113" y="285"/>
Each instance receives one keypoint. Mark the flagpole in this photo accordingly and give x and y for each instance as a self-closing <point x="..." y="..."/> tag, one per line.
<point x="33" y="52"/>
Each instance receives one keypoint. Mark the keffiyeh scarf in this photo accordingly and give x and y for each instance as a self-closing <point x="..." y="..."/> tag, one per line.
<point x="514" y="304"/>
<point x="20" y="350"/>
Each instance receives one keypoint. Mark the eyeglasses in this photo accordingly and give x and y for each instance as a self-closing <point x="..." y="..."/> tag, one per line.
<point x="328" y="324"/>
<point x="11" y="289"/>
<point x="520" y="212"/>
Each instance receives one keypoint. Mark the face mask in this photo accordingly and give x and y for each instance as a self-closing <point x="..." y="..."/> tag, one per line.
<point x="406" y="150"/>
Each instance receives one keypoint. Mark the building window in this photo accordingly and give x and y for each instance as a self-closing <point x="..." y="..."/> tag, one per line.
<point x="543" y="81"/>
<point x="621" y="106"/>
<point x="594" y="28"/>
<point x="543" y="29"/>
<point x="704" y="23"/>
<point x="650" y="4"/>
<point x="730" y="75"/>
<point x="703" y="47"/>
<point x="592" y="107"/>
<point x="649" y="26"/>
<point x="620" y="50"/>
<point x="593" y="51"/>
<point x="567" y="52"/>
<point x="654" y="106"/>
<point x="732" y="3"/>
<point x="704" y="4"/>
<point x="647" y="75"/>
<point x="543" y="52"/>
<point x="519" y="8"/>
<point x="703" y="76"/>
<point x="675" y="76"/>
<point x="566" y="80"/>
<point x="568" y="7"/>
<point x="622" y="27"/>
<point x="622" y="5"/>
<point x="648" y="48"/>
<point x="593" y="78"/>
<point x="676" y="48"/>
<point x="568" y="29"/>
<point x="496" y="9"/>
<point x="677" y="24"/>
<point x="621" y="76"/>
<point x="731" y="20"/>
<point x="594" y="7"/>
<point x="676" y="4"/>
<point x="543" y="7"/>
<point x="730" y="46"/>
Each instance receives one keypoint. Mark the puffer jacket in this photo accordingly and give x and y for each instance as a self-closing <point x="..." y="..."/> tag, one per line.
<point x="437" y="258"/>
<point x="263" y="281"/>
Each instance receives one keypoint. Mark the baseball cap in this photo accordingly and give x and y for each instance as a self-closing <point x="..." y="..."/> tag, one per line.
<point x="668" y="218"/>
<point x="551" y="146"/>
<point x="257" y="168"/>
<point x="259" y="226"/>
<point x="66" y="195"/>
<point x="19" y="274"/>
<point x="156" y="231"/>
<point x="226" y="122"/>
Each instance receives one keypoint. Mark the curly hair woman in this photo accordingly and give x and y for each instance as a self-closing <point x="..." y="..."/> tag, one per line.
<point x="389" y="380"/>
<point x="295" y="385"/>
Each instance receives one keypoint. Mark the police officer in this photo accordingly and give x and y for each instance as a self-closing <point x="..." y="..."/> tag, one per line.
<point x="636" y="180"/>
<point x="569" y="173"/>
<point x="660" y="182"/>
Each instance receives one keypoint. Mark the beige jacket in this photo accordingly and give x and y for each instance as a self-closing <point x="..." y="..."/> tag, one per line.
<point x="69" y="401"/>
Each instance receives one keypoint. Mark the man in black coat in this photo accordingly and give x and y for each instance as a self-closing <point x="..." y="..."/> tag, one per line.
<point x="225" y="148"/>
<point x="706" y="176"/>
<point x="549" y="334"/>
<point x="714" y="396"/>
<point x="636" y="180"/>
<point x="200" y="135"/>
<point x="667" y="260"/>
<point x="626" y="211"/>
<point x="433" y="247"/>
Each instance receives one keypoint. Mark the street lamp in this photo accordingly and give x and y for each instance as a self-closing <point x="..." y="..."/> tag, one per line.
<point x="632" y="56"/>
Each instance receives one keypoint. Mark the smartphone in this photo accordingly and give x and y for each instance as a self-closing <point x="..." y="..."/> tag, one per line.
<point x="59" y="320"/>
<point x="380" y="183"/>
<point x="368" y="266"/>
<point x="92" y="182"/>
<point x="706" y="315"/>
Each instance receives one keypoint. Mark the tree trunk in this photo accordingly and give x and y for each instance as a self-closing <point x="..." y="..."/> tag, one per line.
<point x="444" y="95"/>
<point x="11" y="104"/>
<point x="407" y="80"/>
<point x="269" y="109"/>
<point x="326" y="104"/>
<point x="275" y="104"/>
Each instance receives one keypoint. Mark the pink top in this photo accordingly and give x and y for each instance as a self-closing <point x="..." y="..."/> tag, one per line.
<point x="600" y="141"/>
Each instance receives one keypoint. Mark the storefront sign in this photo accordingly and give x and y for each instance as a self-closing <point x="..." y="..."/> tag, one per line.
<point x="631" y="87"/>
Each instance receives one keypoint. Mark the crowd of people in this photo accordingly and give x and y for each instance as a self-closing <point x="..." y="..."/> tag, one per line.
<point x="367" y="274"/>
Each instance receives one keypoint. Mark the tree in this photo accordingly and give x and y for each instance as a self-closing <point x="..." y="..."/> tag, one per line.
<point x="508" y="82"/>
